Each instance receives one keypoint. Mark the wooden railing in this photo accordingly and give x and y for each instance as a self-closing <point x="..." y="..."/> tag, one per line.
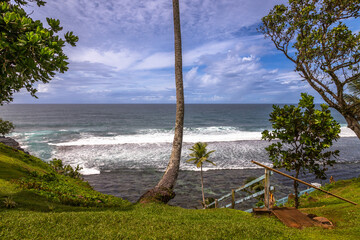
<point x="266" y="191"/>
<point x="284" y="200"/>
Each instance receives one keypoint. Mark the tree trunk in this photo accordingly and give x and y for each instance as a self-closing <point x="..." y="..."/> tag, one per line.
<point x="163" y="191"/>
<point x="296" y="184"/>
<point x="202" y="186"/>
<point x="353" y="124"/>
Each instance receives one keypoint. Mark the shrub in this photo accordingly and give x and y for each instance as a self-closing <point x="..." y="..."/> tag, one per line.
<point x="66" y="190"/>
<point x="5" y="127"/>
<point x="9" y="202"/>
<point x="65" y="170"/>
<point x="302" y="134"/>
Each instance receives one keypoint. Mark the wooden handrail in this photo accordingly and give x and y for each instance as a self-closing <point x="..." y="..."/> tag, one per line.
<point x="300" y="181"/>
<point x="248" y="197"/>
<point x="239" y="189"/>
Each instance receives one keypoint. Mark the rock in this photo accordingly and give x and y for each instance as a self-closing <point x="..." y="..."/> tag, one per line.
<point x="310" y="215"/>
<point x="12" y="143"/>
<point x="324" y="222"/>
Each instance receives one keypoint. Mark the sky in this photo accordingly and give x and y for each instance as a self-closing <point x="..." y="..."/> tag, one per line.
<point x="125" y="54"/>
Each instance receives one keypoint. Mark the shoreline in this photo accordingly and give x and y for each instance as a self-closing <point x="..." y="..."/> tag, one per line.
<point x="130" y="184"/>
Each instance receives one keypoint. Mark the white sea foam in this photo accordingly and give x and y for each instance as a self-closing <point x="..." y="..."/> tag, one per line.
<point x="228" y="155"/>
<point x="89" y="171"/>
<point x="347" y="132"/>
<point x="191" y="135"/>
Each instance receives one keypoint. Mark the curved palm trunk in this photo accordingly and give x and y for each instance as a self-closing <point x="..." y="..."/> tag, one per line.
<point x="163" y="191"/>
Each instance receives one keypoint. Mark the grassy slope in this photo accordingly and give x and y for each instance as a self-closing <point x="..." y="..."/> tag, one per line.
<point x="35" y="217"/>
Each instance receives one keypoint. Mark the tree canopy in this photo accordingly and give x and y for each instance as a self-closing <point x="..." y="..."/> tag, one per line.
<point x="5" y="127"/>
<point x="303" y="133"/>
<point x="29" y="52"/>
<point x="315" y="36"/>
<point x="353" y="97"/>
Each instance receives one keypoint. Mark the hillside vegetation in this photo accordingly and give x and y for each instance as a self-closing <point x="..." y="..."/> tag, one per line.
<point x="38" y="203"/>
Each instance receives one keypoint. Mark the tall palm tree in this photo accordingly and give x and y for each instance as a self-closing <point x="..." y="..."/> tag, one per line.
<point x="163" y="191"/>
<point x="200" y="156"/>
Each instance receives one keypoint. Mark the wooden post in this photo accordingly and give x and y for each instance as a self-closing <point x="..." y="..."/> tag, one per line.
<point x="232" y="198"/>
<point x="216" y="203"/>
<point x="267" y="189"/>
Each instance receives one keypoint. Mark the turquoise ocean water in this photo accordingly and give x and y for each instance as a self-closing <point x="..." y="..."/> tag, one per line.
<point x="108" y="137"/>
<point x="124" y="149"/>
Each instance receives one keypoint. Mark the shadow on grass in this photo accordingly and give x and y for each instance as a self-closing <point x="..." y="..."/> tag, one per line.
<point x="29" y="201"/>
<point x="10" y="171"/>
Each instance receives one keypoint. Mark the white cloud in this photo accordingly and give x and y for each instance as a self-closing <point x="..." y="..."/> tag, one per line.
<point x="289" y="78"/>
<point x="208" y="80"/>
<point x="191" y="75"/>
<point x="119" y="60"/>
<point x="156" y="61"/>
<point x="42" y="88"/>
<point x="194" y="55"/>
<point x="125" y="52"/>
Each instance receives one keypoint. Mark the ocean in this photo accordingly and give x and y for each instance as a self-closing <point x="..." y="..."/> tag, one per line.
<point x="124" y="148"/>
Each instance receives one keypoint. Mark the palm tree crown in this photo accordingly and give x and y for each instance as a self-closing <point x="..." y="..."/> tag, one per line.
<point x="200" y="154"/>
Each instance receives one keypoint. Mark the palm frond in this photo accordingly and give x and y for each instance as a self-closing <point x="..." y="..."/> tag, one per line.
<point x="211" y="162"/>
<point x="191" y="159"/>
<point x="200" y="154"/>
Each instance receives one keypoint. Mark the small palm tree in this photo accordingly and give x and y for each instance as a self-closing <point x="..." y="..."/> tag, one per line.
<point x="200" y="156"/>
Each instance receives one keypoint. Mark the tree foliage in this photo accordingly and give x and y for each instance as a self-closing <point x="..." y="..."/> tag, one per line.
<point x="254" y="188"/>
<point x="314" y="35"/>
<point x="29" y="52"/>
<point x="200" y="155"/>
<point x="5" y="127"/>
<point x="353" y="97"/>
<point x="66" y="170"/>
<point x="303" y="134"/>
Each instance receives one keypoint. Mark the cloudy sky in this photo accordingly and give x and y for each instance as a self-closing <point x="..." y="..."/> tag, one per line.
<point x="125" y="53"/>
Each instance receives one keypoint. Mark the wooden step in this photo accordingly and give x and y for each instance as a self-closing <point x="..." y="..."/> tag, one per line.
<point x="292" y="217"/>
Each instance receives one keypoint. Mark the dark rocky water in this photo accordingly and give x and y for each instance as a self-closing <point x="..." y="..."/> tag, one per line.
<point x="130" y="184"/>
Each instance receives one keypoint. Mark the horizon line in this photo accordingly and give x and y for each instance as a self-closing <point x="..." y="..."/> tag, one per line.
<point x="145" y="103"/>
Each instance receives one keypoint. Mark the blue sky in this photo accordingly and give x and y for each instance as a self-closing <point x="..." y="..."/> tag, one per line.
<point x="125" y="54"/>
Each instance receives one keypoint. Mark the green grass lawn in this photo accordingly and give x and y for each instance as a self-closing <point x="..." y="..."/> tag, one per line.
<point x="65" y="208"/>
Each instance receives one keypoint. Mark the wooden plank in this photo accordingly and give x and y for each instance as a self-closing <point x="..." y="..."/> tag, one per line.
<point x="261" y="211"/>
<point x="292" y="217"/>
